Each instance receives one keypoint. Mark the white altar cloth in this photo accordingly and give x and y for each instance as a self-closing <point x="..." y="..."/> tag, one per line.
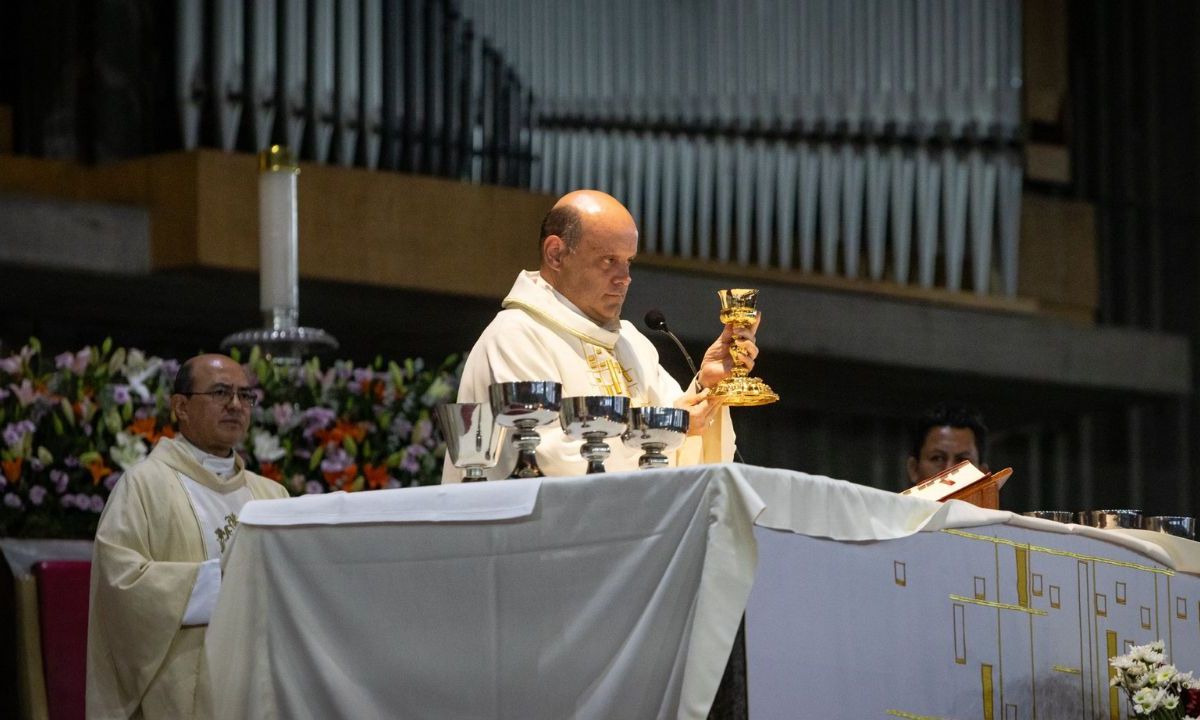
<point x="618" y="596"/>
<point x="982" y="614"/>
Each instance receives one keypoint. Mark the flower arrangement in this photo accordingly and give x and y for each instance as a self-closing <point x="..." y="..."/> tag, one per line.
<point x="1155" y="688"/>
<point x="73" y="423"/>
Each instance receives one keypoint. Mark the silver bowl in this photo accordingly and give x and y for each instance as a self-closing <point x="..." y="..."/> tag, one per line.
<point x="1178" y="525"/>
<point x="656" y="431"/>
<point x="473" y="439"/>
<point x="1062" y="516"/>
<point x="592" y="418"/>
<point x="525" y="406"/>
<point x="1108" y="519"/>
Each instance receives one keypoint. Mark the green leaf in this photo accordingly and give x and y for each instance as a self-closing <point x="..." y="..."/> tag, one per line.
<point x="112" y="421"/>
<point x="127" y="410"/>
<point x="44" y="455"/>
<point x="366" y="449"/>
<point x="35" y="345"/>
<point x="67" y="411"/>
<point x="358" y="484"/>
<point x="89" y="457"/>
<point x="255" y="355"/>
<point x="319" y="455"/>
<point x="394" y="459"/>
<point x="350" y="445"/>
<point x="116" y="362"/>
<point x="107" y="345"/>
<point x="236" y="354"/>
<point x="58" y="425"/>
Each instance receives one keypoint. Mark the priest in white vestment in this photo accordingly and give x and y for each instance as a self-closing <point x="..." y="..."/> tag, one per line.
<point x="563" y="323"/>
<point x="156" y="564"/>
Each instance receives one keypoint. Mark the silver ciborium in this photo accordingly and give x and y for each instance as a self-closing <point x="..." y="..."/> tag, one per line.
<point x="593" y="418"/>
<point x="473" y="439"/>
<point x="525" y="406"/>
<point x="656" y="431"/>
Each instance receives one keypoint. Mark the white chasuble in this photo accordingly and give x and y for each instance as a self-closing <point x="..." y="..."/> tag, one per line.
<point x="149" y="550"/>
<point x="540" y="336"/>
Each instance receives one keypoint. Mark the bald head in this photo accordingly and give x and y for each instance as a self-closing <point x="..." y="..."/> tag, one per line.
<point x="588" y="241"/>
<point x="573" y="212"/>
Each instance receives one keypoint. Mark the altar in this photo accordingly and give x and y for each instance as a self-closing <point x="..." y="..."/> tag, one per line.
<point x="619" y="595"/>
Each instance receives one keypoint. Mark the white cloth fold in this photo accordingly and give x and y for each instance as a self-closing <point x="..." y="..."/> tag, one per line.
<point x="618" y="597"/>
<point x="436" y="503"/>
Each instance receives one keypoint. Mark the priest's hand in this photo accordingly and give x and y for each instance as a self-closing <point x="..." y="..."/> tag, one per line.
<point x="718" y="361"/>
<point x="702" y="410"/>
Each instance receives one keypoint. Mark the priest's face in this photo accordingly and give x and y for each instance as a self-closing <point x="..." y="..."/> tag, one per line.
<point x="213" y="416"/>
<point x="594" y="275"/>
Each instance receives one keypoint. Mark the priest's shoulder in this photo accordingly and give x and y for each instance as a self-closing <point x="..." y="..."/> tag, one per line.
<point x="509" y="320"/>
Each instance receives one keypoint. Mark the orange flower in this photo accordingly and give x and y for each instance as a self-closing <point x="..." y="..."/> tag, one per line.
<point x="98" y="470"/>
<point x="146" y="428"/>
<point x="12" y="469"/>
<point x="343" y="480"/>
<point x="339" y="432"/>
<point x="270" y="470"/>
<point x="143" y="427"/>
<point x="377" y="476"/>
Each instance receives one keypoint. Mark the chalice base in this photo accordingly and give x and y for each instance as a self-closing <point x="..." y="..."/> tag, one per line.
<point x="526" y="466"/>
<point x="743" y="391"/>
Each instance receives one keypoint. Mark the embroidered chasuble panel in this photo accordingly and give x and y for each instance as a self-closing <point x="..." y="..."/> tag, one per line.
<point x="607" y="375"/>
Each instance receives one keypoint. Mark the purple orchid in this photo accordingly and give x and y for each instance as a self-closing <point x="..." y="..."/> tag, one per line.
<point x="120" y="394"/>
<point x="37" y="494"/>
<point x="60" y="480"/>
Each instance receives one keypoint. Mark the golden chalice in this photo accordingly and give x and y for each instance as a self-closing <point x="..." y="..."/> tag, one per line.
<point x="738" y="308"/>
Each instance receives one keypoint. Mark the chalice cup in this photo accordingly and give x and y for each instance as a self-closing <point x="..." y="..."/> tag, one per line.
<point x="526" y="406"/>
<point x="739" y="308"/>
<point x="656" y="431"/>
<point x="473" y="439"/>
<point x="593" y="419"/>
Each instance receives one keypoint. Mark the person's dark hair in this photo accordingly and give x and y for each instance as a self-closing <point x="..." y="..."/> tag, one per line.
<point x="953" y="415"/>
<point x="183" y="378"/>
<point x="565" y="222"/>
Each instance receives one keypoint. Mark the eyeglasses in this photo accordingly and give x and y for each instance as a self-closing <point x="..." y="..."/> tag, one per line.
<point x="224" y="395"/>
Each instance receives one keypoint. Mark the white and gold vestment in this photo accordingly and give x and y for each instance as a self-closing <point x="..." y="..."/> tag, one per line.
<point x="153" y="572"/>
<point x="540" y="335"/>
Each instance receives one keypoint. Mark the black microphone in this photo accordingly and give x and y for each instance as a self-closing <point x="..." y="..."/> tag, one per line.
<point x="655" y="320"/>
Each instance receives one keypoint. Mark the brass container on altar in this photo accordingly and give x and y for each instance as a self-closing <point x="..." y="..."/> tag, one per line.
<point x="739" y="307"/>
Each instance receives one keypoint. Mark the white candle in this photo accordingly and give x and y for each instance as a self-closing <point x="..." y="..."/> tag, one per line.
<point x="278" y="225"/>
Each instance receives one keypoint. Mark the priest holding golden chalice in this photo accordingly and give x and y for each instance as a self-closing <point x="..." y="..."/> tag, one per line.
<point x="563" y="323"/>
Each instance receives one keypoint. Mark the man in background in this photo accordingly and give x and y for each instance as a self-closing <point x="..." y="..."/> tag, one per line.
<point x="156" y="563"/>
<point x="944" y="436"/>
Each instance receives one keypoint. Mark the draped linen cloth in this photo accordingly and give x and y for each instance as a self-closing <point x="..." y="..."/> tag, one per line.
<point x="617" y="596"/>
<point x="538" y="336"/>
<point x="148" y="550"/>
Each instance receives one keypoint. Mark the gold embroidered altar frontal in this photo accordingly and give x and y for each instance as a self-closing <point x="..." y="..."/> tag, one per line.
<point x="1009" y="621"/>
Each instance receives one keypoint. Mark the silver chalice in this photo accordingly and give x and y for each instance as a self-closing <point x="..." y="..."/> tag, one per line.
<point x="473" y="439"/>
<point x="593" y="418"/>
<point x="656" y="431"/>
<point x="525" y="406"/>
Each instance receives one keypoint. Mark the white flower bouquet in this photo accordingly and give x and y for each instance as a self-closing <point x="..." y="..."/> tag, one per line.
<point x="1155" y="688"/>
